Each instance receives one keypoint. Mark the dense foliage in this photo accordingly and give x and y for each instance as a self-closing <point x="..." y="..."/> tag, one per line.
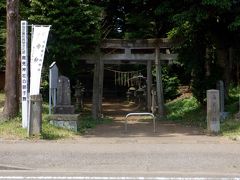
<point x="208" y="31"/>
<point x="75" y="29"/>
<point x="170" y="81"/>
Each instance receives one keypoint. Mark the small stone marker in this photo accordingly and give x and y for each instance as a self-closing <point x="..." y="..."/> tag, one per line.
<point x="213" y="111"/>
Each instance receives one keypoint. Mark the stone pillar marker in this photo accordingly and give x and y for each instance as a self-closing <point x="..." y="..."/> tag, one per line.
<point x="213" y="111"/>
<point x="35" y="123"/>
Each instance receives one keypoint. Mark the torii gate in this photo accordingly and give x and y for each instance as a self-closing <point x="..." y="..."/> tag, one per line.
<point x="118" y="51"/>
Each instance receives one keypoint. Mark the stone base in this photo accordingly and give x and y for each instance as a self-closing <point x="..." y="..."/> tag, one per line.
<point x="63" y="109"/>
<point x="67" y="121"/>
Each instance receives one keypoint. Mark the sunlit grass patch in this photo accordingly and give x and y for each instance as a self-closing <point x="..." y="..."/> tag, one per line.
<point x="12" y="129"/>
<point x="50" y="132"/>
<point x="187" y="111"/>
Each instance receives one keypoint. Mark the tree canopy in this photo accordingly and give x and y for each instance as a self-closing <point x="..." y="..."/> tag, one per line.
<point x="75" y="28"/>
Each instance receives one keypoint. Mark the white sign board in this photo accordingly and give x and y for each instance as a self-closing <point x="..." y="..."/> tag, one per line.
<point x="24" y="72"/>
<point x="39" y="41"/>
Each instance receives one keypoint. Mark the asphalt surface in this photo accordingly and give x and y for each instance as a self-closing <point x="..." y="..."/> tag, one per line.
<point x="129" y="157"/>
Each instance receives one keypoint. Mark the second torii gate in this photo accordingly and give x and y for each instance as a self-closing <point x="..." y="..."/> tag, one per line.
<point x="118" y="51"/>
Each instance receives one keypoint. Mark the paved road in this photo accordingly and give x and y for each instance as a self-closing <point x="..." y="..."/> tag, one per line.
<point x="121" y="157"/>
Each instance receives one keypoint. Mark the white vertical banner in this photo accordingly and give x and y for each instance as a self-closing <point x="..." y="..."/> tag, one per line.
<point x="24" y="72"/>
<point x="39" y="41"/>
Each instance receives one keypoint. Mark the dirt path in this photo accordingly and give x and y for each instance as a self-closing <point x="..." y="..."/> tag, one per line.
<point x="137" y="126"/>
<point x="140" y="129"/>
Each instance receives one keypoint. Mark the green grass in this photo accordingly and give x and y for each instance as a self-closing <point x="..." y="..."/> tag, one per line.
<point x="189" y="111"/>
<point x="12" y="129"/>
<point x="50" y="132"/>
<point x="186" y="111"/>
<point x="231" y="128"/>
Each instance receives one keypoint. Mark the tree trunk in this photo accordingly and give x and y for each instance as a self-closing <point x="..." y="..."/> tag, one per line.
<point x="11" y="105"/>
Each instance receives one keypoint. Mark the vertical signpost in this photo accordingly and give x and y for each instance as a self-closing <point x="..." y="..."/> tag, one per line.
<point x="24" y="72"/>
<point x="213" y="111"/>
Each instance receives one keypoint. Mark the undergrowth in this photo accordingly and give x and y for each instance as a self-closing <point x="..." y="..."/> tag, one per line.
<point x="231" y="126"/>
<point x="186" y="111"/>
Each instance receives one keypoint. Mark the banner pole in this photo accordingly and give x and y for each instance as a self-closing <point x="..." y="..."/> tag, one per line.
<point x="24" y="73"/>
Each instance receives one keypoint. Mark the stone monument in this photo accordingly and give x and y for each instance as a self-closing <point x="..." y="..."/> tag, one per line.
<point x="63" y="111"/>
<point x="213" y="111"/>
<point x="63" y="97"/>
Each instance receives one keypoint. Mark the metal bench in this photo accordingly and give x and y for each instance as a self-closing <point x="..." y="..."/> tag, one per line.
<point x="141" y="114"/>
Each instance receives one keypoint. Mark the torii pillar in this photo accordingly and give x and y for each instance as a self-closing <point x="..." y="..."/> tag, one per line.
<point x="97" y="86"/>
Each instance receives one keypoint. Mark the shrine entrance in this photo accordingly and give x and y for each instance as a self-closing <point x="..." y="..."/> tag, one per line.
<point x="147" y="52"/>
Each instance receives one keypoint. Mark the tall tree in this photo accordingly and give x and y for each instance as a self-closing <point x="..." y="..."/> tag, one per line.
<point x="11" y="88"/>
